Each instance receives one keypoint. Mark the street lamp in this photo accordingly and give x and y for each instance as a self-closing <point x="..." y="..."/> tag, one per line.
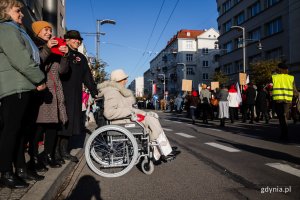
<point x="244" y="45"/>
<point x="184" y="69"/>
<point x="164" y="85"/>
<point x="101" y="22"/>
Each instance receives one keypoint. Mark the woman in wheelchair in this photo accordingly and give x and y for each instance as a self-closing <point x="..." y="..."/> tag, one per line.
<point x="118" y="106"/>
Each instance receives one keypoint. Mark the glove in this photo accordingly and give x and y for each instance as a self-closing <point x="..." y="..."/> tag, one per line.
<point x="152" y="114"/>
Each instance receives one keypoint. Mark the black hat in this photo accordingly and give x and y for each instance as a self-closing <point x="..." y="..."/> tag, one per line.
<point x="282" y="65"/>
<point x="73" y="34"/>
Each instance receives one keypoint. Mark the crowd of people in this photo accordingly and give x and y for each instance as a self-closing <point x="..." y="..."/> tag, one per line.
<point x="278" y="99"/>
<point x="41" y="79"/>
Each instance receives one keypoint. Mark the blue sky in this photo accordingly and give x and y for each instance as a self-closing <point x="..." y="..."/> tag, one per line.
<point x="124" y="45"/>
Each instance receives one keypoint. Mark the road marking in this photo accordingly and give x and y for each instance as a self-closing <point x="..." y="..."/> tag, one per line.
<point x="178" y="122"/>
<point x="225" y="148"/>
<point x="213" y="129"/>
<point x="285" y="168"/>
<point x="185" y="135"/>
<point x="167" y="129"/>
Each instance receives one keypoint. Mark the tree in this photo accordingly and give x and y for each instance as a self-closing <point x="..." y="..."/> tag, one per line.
<point x="261" y="71"/>
<point x="98" y="71"/>
<point x="220" y="77"/>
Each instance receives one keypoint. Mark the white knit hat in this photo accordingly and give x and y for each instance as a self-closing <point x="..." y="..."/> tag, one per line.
<point x="118" y="75"/>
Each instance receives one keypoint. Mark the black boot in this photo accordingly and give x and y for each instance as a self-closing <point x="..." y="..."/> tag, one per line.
<point x="36" y="165"/>
<point x="28" y="175"/>
<point x="57" y="155"/>
<point x="8" y="179"/>
<point x="50" y="160"/>
<point x="64" y="152"/>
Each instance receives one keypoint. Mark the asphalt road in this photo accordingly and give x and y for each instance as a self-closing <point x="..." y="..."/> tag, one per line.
<point x="240" y="161"/>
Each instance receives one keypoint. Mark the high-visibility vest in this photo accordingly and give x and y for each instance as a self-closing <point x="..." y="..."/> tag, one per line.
<point x="282" y="87"/>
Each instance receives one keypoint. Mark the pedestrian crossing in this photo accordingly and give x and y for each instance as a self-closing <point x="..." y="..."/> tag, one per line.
<point x="286" y="168"/>
<point x="282" y="167"/>
<point x="223" y="147"/>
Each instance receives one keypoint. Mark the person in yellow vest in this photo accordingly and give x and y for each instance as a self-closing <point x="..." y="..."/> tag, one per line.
<point x="284" y="89"/>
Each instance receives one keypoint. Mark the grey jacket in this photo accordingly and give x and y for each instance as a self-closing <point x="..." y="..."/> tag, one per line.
<point x="18" y="71"/>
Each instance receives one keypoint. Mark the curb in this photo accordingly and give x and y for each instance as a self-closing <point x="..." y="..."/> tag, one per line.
<point x="54" y="179"/>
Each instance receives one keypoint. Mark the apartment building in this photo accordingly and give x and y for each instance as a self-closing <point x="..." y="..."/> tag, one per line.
<point x="189" y="54"/>
<point x="271" y="31"/>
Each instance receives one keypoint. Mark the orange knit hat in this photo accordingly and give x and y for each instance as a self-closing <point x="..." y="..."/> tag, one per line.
<point x="39" y="25"/>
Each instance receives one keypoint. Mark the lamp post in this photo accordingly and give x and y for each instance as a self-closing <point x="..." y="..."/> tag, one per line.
<point x="244" y="45"/>
<point x="164" y="85"/>
<point x="184" y="69"/>
<point x="101" y="22"/>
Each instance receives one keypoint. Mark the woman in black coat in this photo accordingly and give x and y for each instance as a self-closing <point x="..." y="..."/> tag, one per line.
<point x="261" y="104"/>
<point x="79" y="73"/>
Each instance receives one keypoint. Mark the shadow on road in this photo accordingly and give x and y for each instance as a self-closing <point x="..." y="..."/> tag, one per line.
<point x="265" y="152"/>
<point x="87" y="188"/>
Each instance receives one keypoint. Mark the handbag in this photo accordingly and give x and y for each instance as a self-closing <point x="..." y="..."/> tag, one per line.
<point x="214" y="102"/>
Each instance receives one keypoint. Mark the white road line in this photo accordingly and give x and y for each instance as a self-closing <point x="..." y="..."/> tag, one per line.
<point x="185" y="135"/>
<point x="178" y="122"/>
<point x="285" y="168"/>
<point x="167" y="129"/>
<point x="225" y="148"/>
<point x="213" y="129"/>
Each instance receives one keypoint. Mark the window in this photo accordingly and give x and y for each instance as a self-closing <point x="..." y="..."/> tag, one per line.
<point x="238" y="43"/>
<point x="228" y="47"/>
<point x="189" y="57"/>
<point x="273" y="27"/>
<point x="240" y="18"/>
<point x="238" y="66"/>
<point x="254" y="9"/>
<point x="227" y="69"/>
<point x="226" y="5"/>
<point x="189" y="71"/>
<point x="255" y="34"/>
<point x="227" y="25"/>
<point x="205" y="51"/>
<point x="270" y="3"/>
<point x="274" y="53"/>
<point x="205" y="76"/>
<point x="205" y="63"/>
<point x="254" y="58"/>
<point x="189" y="44"/>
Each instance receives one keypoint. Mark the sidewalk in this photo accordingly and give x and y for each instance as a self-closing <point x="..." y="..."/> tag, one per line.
<point x="48" y="188"/>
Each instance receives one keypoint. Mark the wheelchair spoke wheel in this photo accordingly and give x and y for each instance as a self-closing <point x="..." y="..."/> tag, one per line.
<point x="111" y="151"/>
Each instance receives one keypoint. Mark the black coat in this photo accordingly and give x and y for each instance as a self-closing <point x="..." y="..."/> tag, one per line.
<point x="262" y="100"/>
<point x="79" y="72"/>
<point x="250" y="96"/>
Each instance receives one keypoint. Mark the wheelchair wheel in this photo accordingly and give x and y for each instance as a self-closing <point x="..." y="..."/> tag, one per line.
<point x="147" y="166"/>
<point x="111" y="151"/>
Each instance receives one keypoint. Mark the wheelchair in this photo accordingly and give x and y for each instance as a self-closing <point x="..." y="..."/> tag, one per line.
<point x="113" y="150"/>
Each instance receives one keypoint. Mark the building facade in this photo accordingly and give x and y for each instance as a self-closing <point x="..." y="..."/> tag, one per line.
<point x="272" y="23"/>
<point x="188" y="55"/>
<point x="52" y="11"/>
<point x="137" y="86"/>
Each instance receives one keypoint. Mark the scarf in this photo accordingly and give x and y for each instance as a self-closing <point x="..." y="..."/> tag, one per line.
<point x="35" y="50"/>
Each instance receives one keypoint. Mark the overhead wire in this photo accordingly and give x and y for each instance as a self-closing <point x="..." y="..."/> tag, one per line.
<point x="169" y="18"/>
<point x="149" y="39"/>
